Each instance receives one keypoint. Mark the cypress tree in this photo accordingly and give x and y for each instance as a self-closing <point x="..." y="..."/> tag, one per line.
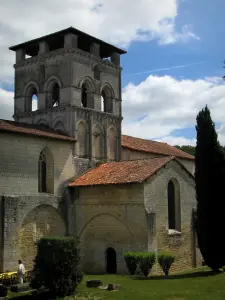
<point x="210" y="192"/>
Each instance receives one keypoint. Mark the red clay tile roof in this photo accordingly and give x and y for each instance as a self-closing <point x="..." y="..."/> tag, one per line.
<point x="153" y="147"/>
<point x="15" y="127"/>
<point x="130" y="171"/>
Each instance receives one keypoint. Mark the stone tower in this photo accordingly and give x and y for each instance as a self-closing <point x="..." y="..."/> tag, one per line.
<point x="70" y="82"/>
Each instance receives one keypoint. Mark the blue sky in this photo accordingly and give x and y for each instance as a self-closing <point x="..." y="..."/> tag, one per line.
<point x="173" y="67"/>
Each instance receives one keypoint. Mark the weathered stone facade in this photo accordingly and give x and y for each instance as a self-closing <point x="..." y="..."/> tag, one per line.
<point x="123" y="217"/>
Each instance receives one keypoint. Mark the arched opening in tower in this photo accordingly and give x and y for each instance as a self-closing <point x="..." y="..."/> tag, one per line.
<point x="55" y="95"/>
<point x="111" y="264"/>
<point x="84" y="96"/>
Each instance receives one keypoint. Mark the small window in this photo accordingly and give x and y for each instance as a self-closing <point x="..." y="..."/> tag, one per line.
<point x="84" y="96"/>
<point x="42" y="174"/>
<point x="55" y="95"/>
<point x="174" y="213"/>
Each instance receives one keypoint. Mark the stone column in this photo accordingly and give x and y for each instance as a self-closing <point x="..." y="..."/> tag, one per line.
<point x="20" y="55"/>
<point x="43" y="47"/>
<point x="115" y="58"/>
<point x="70" y="41"/>
<point x="95" y="49"/>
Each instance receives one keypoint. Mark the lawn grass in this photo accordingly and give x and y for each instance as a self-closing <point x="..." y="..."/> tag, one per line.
<point x="193" y="285"/>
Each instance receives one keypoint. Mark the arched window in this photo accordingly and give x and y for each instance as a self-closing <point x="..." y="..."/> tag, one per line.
<point x="31" y="96"/>
<point x="98" y="142"/>
<point x="55" y="95"/>
<point x="81" y="146"/>
<point x="84" y="96"/>
<point x="34" y="100"/>
<point x="112" y="144"/>
<point x="174" y="213"/>
<point x="42" y="173"/>
<point x="46" y="172"/>
<point x="87" y="94"/>
<point x="106" y="100"/>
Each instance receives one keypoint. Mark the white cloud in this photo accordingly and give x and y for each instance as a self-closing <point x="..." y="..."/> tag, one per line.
<point x="159" y="105"/>
<point x="6" y="104"/>
<point x="119" y="22"/>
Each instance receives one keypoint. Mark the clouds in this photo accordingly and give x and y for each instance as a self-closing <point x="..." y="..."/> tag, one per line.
<point x="119" y="22"/>
<point x="7" y="104"/>
<point x="159" y="105"/>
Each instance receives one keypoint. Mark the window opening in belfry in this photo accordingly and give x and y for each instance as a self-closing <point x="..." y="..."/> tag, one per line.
<point x="55" y="95"/>
<point x="84" y="96"/>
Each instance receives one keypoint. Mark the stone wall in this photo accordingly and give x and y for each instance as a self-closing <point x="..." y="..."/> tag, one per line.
<point x="1" y="232"/>
<point x="26" y="219"/>
<point x="179" y="243"/>
<point x="110" y="216"/>
<point x="19" y="163"/>
<point x="128" y="154"/>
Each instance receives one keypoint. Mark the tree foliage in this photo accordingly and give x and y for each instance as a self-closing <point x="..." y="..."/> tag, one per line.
<point x="56" y="265"/>
<point x="165" y="261"/>
<point x="210" y="191"/>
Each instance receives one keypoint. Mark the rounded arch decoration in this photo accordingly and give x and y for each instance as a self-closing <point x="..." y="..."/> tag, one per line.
<point x="107" y="97"/>
<point x="81" y="145"/>
<point x="31" y="92"/>
<point x="98" y="142"/>
<point x="52" y="90"/>
<point x="88" y="89"/>
<point x="96" y="238"/>
<point x="112" y="144"/>
<point x="43" y="220"/>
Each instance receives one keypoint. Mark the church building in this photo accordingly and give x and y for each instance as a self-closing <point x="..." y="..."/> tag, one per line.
<point x="67" y="170"/>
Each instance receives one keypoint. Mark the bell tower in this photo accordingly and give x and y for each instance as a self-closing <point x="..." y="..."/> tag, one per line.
<point x="70" y="82"/>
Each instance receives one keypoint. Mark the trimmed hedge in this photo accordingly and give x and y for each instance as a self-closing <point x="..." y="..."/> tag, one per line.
<point x="131" y="262"/>
<point x="165" y="261"/>
<point x="56" y="265"/>
<point x="145" y="260"/>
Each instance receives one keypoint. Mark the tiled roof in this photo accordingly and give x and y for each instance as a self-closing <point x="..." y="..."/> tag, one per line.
<point x="15" y="127"/>
<point x="130" y="171"/>
<point x="153" y="147"/>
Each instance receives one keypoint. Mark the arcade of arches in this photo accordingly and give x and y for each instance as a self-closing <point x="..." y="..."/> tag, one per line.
<point x="44" y="220"/>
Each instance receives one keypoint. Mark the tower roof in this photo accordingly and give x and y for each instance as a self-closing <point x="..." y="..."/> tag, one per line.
<point x="57" y="38"/>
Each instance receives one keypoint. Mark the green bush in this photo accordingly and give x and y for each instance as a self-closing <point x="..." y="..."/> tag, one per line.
<point x="146" y="261"/>
<point x="131" y="262"/>
<point x="56" y="265"/>
<point x="165" y="261"/>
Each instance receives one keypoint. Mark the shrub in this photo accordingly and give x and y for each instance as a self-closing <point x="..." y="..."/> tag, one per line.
<point x="131" y="262"/>
<point x="165" y="261"/>
<point x="3" y="290"/>
<point x="56" y="265"/>
<point x="146" y="261"/>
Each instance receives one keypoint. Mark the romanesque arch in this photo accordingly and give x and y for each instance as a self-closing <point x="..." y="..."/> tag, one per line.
<point x="107" y="96"/>
<point x="46" y="172"/>
<point x="112" y="144"/>
<point x="174" y="209"/>
<point x="52" y="90"/>
<point x="88" y="89"/>
<point x="44" y="220"/>
<point x="98" y="234"/>
<point x="81" y="145"/>
<point x="97" y="142"/>
<point x="31" y="92"/>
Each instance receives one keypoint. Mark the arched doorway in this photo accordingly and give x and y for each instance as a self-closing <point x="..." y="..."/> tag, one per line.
<point x="111" y="265"/>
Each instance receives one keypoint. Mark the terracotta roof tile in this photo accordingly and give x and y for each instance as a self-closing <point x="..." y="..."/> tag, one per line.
<point x="11" y="126"/>
<point x="153" y="147"/>
<point x="130" y="171"/>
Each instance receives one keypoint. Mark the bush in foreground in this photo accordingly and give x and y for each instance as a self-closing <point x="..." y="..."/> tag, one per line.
<point x="56" y="265"/>
<point x="146" y="261"/>
<point x="131" y="262"/>
<point x="165" y="261"/>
